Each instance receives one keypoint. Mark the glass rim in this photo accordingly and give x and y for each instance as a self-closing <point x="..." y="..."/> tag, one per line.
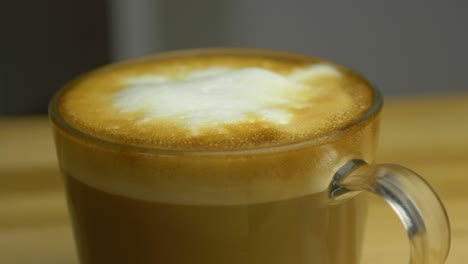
<point x="366" y="118"/>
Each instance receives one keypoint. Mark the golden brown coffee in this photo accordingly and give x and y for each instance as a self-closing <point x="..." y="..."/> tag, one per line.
<point x="218" y="156"/>
<point x="119" y="229"/>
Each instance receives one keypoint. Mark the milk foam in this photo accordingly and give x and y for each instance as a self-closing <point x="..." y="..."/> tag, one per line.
<point x="215" y="101"/>
<point x="215" y="96"/>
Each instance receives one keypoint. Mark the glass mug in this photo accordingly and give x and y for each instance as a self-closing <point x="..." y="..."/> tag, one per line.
<point x="180" y="213"/>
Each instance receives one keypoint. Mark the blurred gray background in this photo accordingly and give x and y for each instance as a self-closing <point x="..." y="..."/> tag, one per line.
<point x="404" y="47"/>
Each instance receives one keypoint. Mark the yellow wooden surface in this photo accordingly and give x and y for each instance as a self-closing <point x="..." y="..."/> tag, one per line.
<point x="429" y="135"/>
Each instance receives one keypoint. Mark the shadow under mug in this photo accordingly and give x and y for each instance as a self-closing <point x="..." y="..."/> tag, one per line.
<point x="133" y="204"/>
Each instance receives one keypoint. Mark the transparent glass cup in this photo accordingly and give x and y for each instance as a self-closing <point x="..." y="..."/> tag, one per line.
<point x="136" y="204"/>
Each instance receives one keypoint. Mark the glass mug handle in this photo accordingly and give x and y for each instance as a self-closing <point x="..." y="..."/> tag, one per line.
<point x="410" y="196"/>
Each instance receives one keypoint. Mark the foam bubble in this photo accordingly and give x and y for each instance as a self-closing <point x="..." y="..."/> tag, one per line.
<point x="213" y="96"/>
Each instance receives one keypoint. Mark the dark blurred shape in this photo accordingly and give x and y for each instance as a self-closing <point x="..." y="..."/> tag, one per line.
<point x="45" y="44"/>
<point x="197" y="24"/>
<point x="148" y="26"/>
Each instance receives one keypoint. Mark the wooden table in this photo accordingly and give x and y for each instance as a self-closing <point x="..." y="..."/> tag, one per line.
<point x="427" y="134"/>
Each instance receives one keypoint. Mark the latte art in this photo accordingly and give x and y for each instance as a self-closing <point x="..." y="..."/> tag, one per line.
<point x="215" y="101"/>
<point x="215" y="96"/>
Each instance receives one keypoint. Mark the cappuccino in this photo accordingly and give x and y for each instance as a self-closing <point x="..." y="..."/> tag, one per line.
<point x="213" y="156"/>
